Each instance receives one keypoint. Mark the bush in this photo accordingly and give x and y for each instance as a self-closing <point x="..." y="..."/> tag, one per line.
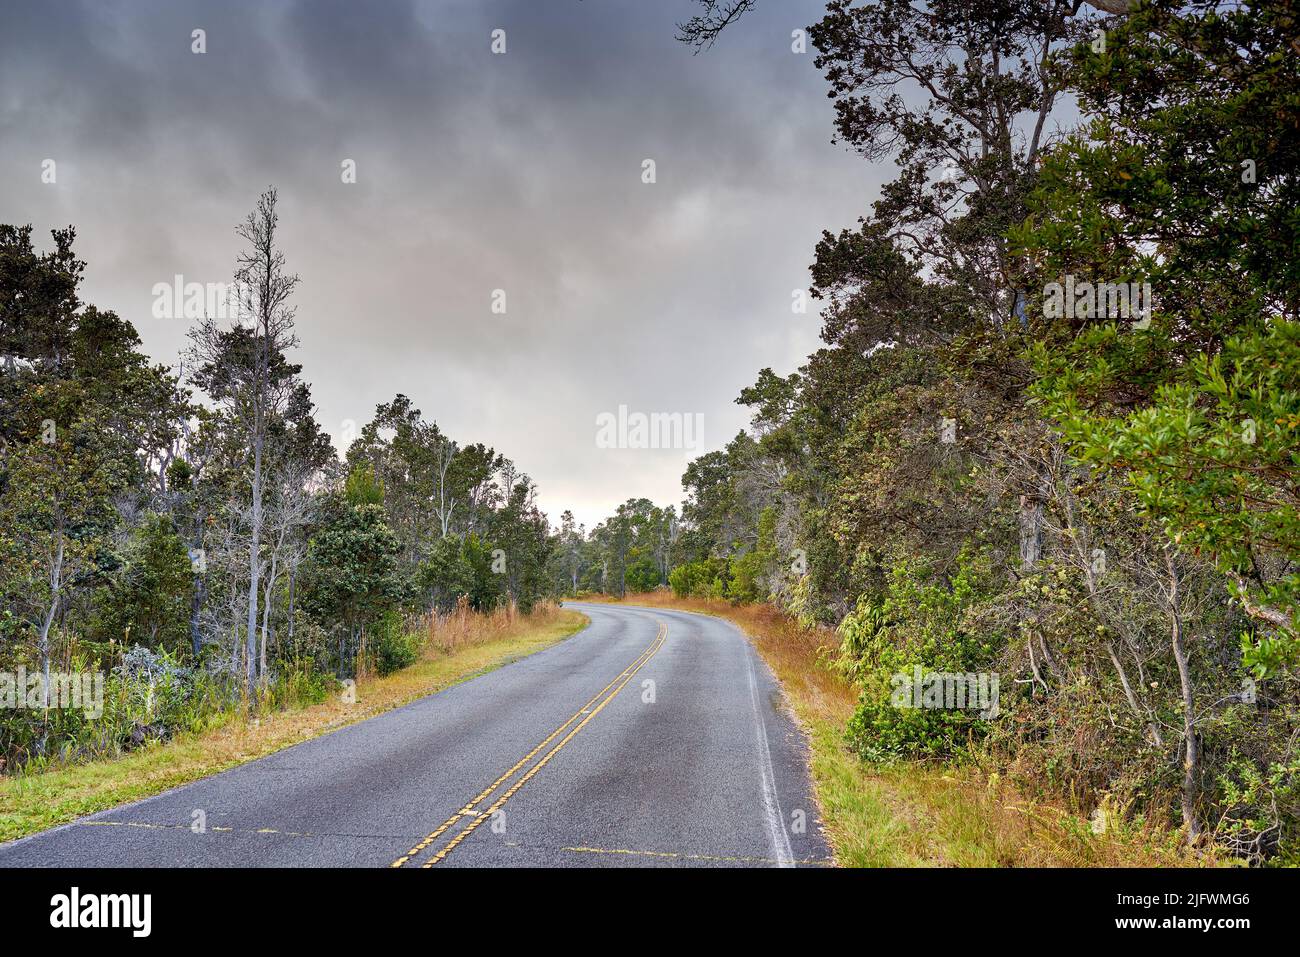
<point x="393" y="647"/>
<point x="746" y="584"/>
<point x="312" y="648"/>
<point x="150" y="697"/>
<point x="299" y="687"/>
<point x="642" y="575"/>
<point x="146" y="697"/>
<point x="703" y="579"/>
<point x="918" y="623"/>
<point x="680" y="580"/>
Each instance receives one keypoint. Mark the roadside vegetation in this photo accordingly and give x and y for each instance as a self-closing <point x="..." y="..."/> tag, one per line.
<point x="1050" y="439"/>
<point x="897" y="813"/>
<point x="447" y="649"/>
<point x="191" y="576"/>
<point x="178" y="545"/>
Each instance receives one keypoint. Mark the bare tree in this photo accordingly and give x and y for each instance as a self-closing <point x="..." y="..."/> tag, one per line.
<point x="444" y="454"/>
<point x="1191" y="743"/>
<point x="220" y="619"/>
<point x="243" y="368"/>
<point x="702" y="30"/>
<point x="289" y="513"/>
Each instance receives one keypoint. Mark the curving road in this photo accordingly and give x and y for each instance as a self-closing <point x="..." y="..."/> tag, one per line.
<point x="650" y="738"/>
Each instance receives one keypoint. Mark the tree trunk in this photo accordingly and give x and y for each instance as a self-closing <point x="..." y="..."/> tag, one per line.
<point x="1031" y="548"/>
<point x="250" y="638"/>
<point x="1191" y="751"/>
<point x="266" y="614"/>
<point x="232" y="604"/>
<point x="56" y="591"/>
<point x="45" y="648"/>
<point x="261" y="653"/>
<point x="293" y="579"/>
<point x="1031" y="532"/>
<point x="196" y="608"/>
<point x="1080" y="536"/>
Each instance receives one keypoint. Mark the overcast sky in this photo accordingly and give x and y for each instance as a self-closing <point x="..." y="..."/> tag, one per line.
<point x="474" y="172"/>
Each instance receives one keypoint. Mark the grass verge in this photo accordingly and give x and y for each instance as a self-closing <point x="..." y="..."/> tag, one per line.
<point x="465" y="649"/>
<point x="913" y="814"/>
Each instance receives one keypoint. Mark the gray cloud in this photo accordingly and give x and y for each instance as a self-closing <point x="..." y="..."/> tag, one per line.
<point x="475" y="172"/>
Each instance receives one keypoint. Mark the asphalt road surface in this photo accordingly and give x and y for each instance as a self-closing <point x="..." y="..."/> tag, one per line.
<point x="651" y="738"/>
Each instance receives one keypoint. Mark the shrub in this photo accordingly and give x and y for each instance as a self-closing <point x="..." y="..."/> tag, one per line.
<point x="746" y="583"/>
<point x="298" y="687"/>
<point x="642" y="575"/>
<point x="702" y="579"/>
<point x="393" y="647"/>
<point x="918" y="623"/>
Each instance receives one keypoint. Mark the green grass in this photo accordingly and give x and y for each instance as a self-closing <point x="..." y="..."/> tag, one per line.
<point x="34" y="802"/>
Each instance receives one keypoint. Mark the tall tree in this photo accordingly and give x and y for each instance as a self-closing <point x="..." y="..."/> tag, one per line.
<point x="1185" y="179"/>
<point x="256" y="389"/>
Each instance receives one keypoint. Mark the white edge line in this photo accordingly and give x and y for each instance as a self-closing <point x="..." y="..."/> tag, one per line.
<point x="771" y="802"/>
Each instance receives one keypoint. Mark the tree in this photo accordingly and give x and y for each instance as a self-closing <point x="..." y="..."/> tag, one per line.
<point x="351" y="569"/>
<point x="519" y="534"/>
<point x="257" y="387"/>
<point x="702" y="30"/>
<point x="149" y="600"/>
<point x="433" y="487"/>
<point x="84" y="415"/>
<point x="569" y="549"/>
<point x="1184" y="179"/>
<point x="38" y="299"/>
<point x="57" y="502"/>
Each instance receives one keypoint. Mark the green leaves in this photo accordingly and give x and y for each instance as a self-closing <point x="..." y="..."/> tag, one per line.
<point x="1214" y="458"/>
<point x="1185" y="176"/>
<point x="351" y="566"/>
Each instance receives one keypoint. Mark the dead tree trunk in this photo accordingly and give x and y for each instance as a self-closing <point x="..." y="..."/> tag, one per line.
<point x="1191" y="748"/>
<point x="1031" y="532"/>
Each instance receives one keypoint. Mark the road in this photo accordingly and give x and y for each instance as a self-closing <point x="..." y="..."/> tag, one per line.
<point x="650" y="738"/>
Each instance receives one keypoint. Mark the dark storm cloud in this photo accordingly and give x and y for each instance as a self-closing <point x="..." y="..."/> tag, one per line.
<point x="476" y="172"/>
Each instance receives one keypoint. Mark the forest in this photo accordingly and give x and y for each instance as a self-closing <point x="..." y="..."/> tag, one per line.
<point x="1050" y="435"/>
<point x="1052" y="431"/>
<point x="192" y="531"/>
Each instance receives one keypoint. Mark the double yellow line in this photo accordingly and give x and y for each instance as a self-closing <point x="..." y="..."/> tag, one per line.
<point x="604" y="696"/>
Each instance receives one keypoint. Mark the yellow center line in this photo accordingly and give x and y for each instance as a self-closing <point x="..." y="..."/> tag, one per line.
<point x="468" y="809"/>
<point x="500" y="802"/>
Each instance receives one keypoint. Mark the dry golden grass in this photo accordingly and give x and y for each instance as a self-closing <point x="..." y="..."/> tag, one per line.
<point x="462" y="627"/>
<point x="912" y="814"/>
<point x="461" y="647"/>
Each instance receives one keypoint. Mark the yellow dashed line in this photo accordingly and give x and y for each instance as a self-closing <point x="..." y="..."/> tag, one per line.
<point x="625" y="676"/>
